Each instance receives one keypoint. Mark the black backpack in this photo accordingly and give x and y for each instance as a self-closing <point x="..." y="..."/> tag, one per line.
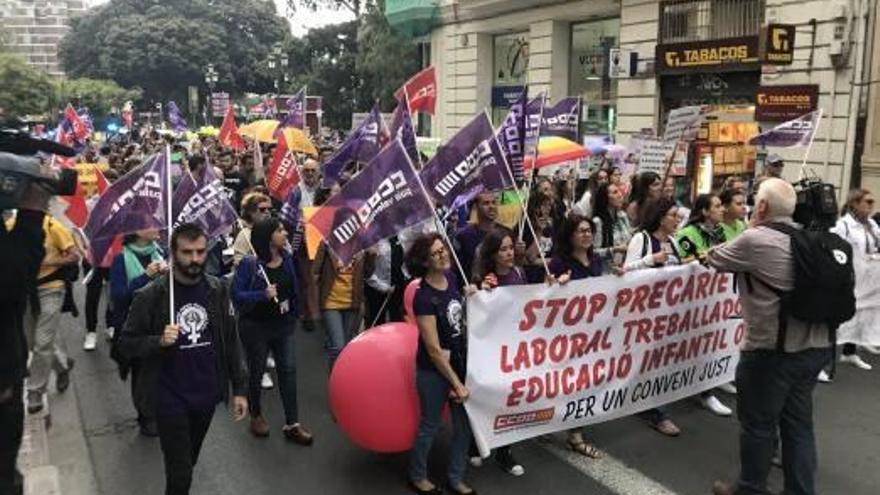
<point x="824" y="285"/>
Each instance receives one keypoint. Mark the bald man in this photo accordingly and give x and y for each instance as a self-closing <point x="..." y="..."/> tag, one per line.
<point x="775" y="389"/>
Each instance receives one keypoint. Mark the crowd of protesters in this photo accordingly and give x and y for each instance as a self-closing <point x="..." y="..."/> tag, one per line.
<point x="606" y="224"/>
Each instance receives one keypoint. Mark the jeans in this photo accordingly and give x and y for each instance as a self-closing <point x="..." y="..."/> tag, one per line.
<point x="775" y="390"/>
<point x="340" y="325"/>
<point x="93" y="298"/>
<point x="181" y="440"/>
<point x="11" y="430"/>
<point x="433" y="392"/>
<point x="258" y="337"/>
<point x="42" y="332"/>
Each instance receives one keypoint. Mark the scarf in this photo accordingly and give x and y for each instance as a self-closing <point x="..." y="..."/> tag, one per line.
<point x="132" y="255"/>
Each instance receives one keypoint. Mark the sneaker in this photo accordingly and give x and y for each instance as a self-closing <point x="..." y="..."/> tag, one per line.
<point x="267" y="382"/>
<point x="109" y="331"/>
<point x="476" y="461"/>
<point x="270" y="363"/>
<point x="259" y="427"/>
<point x="823" y="377"/>
<point x="856" y="360"/>
<point x="62" y="377"/>
<point x="728" y="388"/>
<point x="90" y="342"/>
<point x="872" y="349"/>
<point x="715" y="406"/>
<point x="34" y="401"/>
<point x="668" y="428"/>
<point x="508" y="463"/>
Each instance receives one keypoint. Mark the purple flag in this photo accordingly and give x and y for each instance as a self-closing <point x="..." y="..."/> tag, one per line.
<point x="401" y="127"/>
<point x="362" y="145"/>
<point x="175" y="118"/>
<point x="459" y="167"/>
<point x="290" y="217"/>
<point x="296" y="113"/>
<point x="202" y="200"/>
<point x="562" y="119"/>
<point x="796" y="132"/>
<point x="376" y="204"/>
<point x="519" y="131"/>
<point x="134" y="202"/>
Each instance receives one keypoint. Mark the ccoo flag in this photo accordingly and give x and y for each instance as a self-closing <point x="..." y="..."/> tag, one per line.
<point x="562" y="119"/>
<point x="374" y="205"/>
<point x="202" y="200"/>
<point x="470" y="162"/>
<point x="296" y="113"/>
<point x="401" y="127"/>
<point x="796" y="132"/>
<point x="134" y="202"/>
<point x="175" y="118"/>
<point x="362" y="145"/>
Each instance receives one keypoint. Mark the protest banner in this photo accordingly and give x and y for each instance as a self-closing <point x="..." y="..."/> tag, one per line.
<point x="654" y="157"/>
<point x="594" y="350"/>
<point x="863" y="328"/>
<point x="202" y="200"/>
<point x="362" y="145"/>
<point x="684" y="123"/>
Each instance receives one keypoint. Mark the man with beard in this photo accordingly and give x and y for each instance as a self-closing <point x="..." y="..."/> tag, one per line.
<point x="187" y="366"/>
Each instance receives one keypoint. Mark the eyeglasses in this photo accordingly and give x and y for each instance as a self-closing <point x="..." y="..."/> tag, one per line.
<point x="309" y="171"/>
<point x="584" y="230"/>
<point x="264" y="209"/>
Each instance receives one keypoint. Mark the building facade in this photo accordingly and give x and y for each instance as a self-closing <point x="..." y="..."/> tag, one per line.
<point x="32" y="29"/>
<point x="718" y="53"/>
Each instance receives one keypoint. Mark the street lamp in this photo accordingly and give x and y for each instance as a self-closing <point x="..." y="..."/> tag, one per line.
<point x="211" y="79"/>
<point x="278" y="60"/>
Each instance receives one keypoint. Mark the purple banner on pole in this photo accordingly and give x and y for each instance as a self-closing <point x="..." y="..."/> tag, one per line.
<point x="461" y="166"/>
<point x="362" y="145"/>
<point x="296" y="112"/>
<point x="376" y="204"/>
<point x="134" y="202"/>
<point x="202" y="200"/>
<point x="175" y="118"/>
<point x="401" y="127"/>
<point x="562" y="119"/>
<point x="795" y="132"/>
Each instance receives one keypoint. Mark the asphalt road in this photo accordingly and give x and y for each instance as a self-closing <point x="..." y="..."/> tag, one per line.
<point x="95" y="443"/>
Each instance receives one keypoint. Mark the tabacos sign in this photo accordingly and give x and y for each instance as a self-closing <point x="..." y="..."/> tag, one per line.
<point x="777" y="44"/>
<point x="713" y="55"/>
<point x="781" y="103"/>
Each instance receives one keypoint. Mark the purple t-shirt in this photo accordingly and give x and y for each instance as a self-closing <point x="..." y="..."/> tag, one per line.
<point x="468" y="239"/>
<point x="447" y="308"/>
<point x="188" y="381"/>
<point x="513" y="277"/>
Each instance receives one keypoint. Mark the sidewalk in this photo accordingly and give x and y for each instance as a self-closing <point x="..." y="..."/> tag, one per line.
<point x="41" y="478"/>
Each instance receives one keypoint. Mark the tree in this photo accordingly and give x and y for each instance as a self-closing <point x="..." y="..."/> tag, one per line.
<point x="164" y="46"/>
<point x="26" y="90"/>
<point x="100" y="96"/>
<point x="385" y="59"/>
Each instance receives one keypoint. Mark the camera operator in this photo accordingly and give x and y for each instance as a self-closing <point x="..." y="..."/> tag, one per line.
<point x="775" y="385"/>
<point x="21" y="253"/>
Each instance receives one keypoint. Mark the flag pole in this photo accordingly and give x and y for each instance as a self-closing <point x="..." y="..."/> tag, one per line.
<point x="522" y="206"/>
<point x="535" y="152"/>
<point x="810" y="147"/>
<point x="169" y="221"/>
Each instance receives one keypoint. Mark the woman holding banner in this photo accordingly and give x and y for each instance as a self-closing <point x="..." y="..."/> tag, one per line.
<point x="655" y="247"/>
<point x="140" y="261"/>
<point x="440" y="362"/>
<point x="612" y="226"/>
<point x="858" y="228"/>
<point x="497" y="268"/>
<point x="540" y="213"/>
<point x="264" y="292"/>
<point x="575" y="259"/>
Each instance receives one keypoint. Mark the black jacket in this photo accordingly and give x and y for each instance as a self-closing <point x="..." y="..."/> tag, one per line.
<point x="21" y="253"/>
<point x="147" y="318"/>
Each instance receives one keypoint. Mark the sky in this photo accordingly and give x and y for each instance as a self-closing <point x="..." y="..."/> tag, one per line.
<point x="302" y="21"/>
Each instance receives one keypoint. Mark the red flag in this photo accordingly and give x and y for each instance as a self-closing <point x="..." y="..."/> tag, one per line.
<point x="80" y="131"/>
<point x="283" y="174"/>
<point x="421" y="90"/>
<point x="229" y="136"/>
<point x="102" y="181"/>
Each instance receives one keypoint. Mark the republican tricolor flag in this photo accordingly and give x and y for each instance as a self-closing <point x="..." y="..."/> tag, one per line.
<point x="80" y="129"/>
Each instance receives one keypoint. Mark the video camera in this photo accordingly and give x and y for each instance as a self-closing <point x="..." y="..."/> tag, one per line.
<point x="19" y="168"/>
<point x="816" y="207"/>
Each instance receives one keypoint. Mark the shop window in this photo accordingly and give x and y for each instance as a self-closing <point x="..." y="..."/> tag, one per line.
<point x="588" y="75"/>
<point x="510" y="66"/>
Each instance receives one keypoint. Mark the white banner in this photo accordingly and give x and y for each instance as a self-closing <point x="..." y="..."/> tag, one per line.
<point x="544" y="359"/>
<point x="655" y="157"/>
<point x="683" y="123"/>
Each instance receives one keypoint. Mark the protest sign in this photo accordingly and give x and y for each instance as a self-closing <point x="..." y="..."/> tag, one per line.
<point x="863" y="328"/>
<point x="654" y="157"/>
<point x="684" y="123"/>
<point x="594" y="350"/>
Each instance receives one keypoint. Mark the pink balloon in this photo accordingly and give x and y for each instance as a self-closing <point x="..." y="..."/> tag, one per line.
<point x="409" y="295"/>
<point x="372" y="388"/>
